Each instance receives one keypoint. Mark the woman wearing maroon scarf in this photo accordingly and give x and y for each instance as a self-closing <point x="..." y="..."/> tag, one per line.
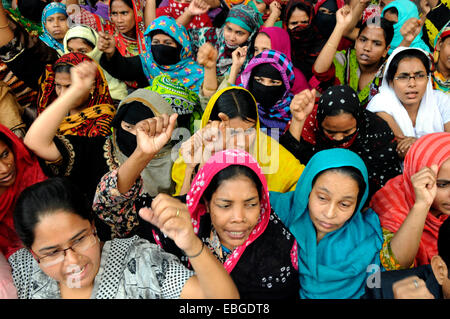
<point x="19" y="169"/>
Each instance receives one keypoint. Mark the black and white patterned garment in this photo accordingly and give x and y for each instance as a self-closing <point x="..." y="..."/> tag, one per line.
<point x="130" y="268"/>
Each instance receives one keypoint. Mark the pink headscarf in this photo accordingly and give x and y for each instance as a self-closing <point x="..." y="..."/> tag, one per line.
<point x="197" y="209"/>
<point x="281" y="42"/>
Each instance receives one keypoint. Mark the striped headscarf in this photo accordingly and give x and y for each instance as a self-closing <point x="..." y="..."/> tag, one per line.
<point x="279" y="115"/>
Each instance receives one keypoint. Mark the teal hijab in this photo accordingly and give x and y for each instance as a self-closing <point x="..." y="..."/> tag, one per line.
<point x="406" y="10"/>
<point x="337" y="266"/>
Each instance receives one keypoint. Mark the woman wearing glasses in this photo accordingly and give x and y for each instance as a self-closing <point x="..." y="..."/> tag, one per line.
<point x="64" y="258"/>
<point x="407" y="101"/>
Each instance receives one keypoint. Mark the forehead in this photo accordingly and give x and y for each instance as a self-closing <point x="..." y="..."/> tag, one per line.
<point x="337" y="183"/>
<point x="119" y="5"/>
<point x="298" y="14"/>
<point x="262" y="38"/>
<point x="235" y="27"/>
<point x="62" y="77"/>
<point x="57" y="228"/>
<point x="237" y="123"/>
<point x="57" y="15"/>
<point x="162" y="37"/>
<point x="76" y="42"/>
<point x="374" y="33"/>
<point x="3" y="146"/>
<point x="444" y="170"/>
<point x="236" y="187"/>
<point x="343" y="121"/>
<point x="410" y="64"/>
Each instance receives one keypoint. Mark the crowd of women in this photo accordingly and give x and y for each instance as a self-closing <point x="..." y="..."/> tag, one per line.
<point x="254" y="149"/>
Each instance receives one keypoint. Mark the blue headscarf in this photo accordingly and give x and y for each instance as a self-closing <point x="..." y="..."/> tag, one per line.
<point x="406" y="10"/>
<point x="49" y="10"/>
<point x="187" y="71"/>
<point x="336" y="267"/>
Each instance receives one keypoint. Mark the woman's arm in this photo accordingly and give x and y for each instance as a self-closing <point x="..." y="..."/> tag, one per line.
<point x="207" y="57"/>
<point x="238" y="56"/>
<point x="196" y="8"/>
<point x="301" y="106"/>
<point x="406" y="240"/>
<point x="211" y="280"/>
<point x="151" y="136"/>
<point x="275" y="13"/>
<point x="149" y="12"/>
<point x="39" y="137"/>
<point x="325" y="58"/>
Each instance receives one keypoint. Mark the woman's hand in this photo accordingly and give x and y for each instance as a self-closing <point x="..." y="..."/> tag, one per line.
<point x="275" y="9"/>
<point x="207" y="56"/>
<point x="172" y="217"/>
<point x="302" y="104"/>
<point x="238" y="56"/>
<point x="404" y="145"/>
<point x="344" y="17"/>
<point x="198" y="7"/>
<point x="410" y="30"/>
<point x="424" y="184"/>
<point x="106" y="44"/>
<point x="153" y="133"/>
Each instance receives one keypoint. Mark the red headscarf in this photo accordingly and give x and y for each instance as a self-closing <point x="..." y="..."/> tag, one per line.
<point x="214" y="165"/>
<point x="28" y="172"/>
<point x="98" y="112"/>
<point x="394" y="201"/>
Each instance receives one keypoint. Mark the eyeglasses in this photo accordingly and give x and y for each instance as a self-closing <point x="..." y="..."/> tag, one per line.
<point x="404" y="78"/>
<point x="79" y="246"/>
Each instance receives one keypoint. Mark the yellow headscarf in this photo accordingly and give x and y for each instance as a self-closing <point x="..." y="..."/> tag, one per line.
<point x="269" y="154"/>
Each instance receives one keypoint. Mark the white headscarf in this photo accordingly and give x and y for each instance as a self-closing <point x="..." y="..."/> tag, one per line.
<point x="429" y="119"/>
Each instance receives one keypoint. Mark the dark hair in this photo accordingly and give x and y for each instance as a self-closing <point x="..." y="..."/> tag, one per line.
<point x="62" y="68"/>
<point x="386" y="25"/>
<point x="85" y="41"/>
<point x="443" y="243"/>
<point x="350" y="171"/>
<point x="45" y="198"/>
<point x="288" y="13"/>
<point x="32" y="9"/>
<point x="129" y="3"/>
<point x="228" y="173"/>
<point x="235" y="103"/>
<point x="392" y="10"/>
<point x="7" y="141"/>
<point x="408" y="53"/>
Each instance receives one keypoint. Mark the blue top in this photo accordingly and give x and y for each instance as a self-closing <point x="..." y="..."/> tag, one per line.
<point x="337" y="266"/>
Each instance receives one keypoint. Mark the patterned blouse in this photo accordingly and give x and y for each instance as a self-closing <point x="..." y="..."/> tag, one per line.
<point x="130" y="268"/>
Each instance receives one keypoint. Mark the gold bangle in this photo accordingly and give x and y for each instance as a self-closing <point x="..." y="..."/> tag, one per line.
<point x="4" y="26"/>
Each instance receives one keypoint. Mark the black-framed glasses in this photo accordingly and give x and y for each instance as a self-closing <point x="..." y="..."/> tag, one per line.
<point x="79" y="246"/>
<point x="404" y="78"/>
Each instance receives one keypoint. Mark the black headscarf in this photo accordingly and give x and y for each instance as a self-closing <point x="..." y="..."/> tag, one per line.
<point x="131" y="113"/>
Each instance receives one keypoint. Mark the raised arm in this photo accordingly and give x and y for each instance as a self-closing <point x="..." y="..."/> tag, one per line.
<point x="325" y="58"/>
<point x="207" y="57"/>
<point x="211" y="280"/>
<point x="149" y="12"/>
<point x="238" y="57"/>
<point x="39" y="137"/>
<point x="406" y="240"/>
<point x="151" y="136"/>
<point x="196" y="7"/>
<point x="275" y="13"/>
<point x="301" y="106"/>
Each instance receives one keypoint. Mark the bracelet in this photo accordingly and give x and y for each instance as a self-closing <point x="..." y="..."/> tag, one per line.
<point x="198" y="254"/>
<point x="4" y="26"/>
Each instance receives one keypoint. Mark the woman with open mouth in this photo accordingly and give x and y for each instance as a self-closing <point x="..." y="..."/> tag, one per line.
<point x="407" y="100"/>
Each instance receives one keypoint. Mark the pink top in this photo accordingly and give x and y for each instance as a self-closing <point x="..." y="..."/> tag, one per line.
<point x="7" y="288"/>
